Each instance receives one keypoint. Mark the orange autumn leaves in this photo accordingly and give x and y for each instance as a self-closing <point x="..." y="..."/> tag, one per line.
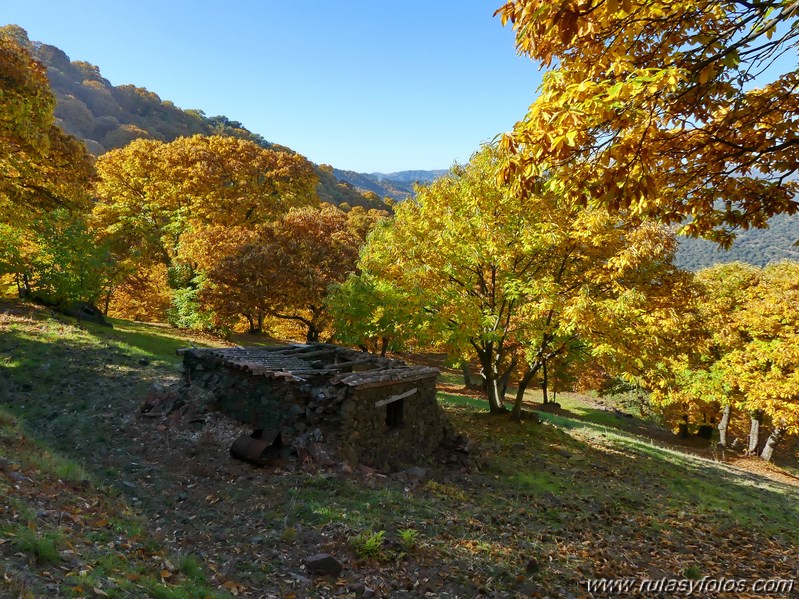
<point x="286" y="269"/>
<point x="233" y="229"/>
<point x="151" y="193"/>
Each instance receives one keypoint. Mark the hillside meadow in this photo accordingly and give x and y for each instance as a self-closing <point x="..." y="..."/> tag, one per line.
<point x="100" y="501"/>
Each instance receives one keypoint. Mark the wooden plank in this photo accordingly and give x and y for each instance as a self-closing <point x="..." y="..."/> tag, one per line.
<point x="393" y="398"/>
<point x="371" y="378"/>
<point x="345" y="376"/>
<point x="315" y="354"/>
<point x="388" y="383"/>
<point x="354" y="362"/>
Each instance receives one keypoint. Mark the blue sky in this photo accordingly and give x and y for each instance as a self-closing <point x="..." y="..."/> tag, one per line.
<point x="377" y="85"/>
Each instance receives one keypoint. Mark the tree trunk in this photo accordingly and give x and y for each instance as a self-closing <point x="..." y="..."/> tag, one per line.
<point x="754" y="432"/>
<point x="505" y="378"/>
<point x="545" y="383"/>
<point x="683" y="426"/>
<point x="383" y="346"/>
<point x="251" y="322"/>
<point x="523" y="382"/>
<point x="467" y="377"/>
<point x="495" y="398"/>
<point x="773" y="440"/>
<point x="313" y="334"/>
<point x="261" y="317"/>
<point x="107" y="302"/>
<point x="724" y="424"/>
<point x="24" y="290"/>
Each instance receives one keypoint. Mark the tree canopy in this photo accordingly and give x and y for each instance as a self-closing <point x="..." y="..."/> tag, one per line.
<point x="41" y="167"/>
<point x="151" y="193"/>
<point x="750" y="363"/>
<point x="671" y="110"/>
<point x="474" y="270"/>
<point x="287" y="268"/>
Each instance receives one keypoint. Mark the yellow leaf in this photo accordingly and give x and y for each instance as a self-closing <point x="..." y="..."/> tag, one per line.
<point x="570" y="138"/>
<point x="705" y="74"/>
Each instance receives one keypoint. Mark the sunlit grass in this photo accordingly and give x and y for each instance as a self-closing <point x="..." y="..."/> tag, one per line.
<point x="462" y="400"/>
<point x="524" y="489"/>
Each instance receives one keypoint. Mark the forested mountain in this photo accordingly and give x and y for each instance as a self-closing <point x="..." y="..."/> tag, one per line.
<point x="408" y="177"/>
<point x="398" y="186"/>
<point x="754" y="246"/>
<point x="105" y="116"/>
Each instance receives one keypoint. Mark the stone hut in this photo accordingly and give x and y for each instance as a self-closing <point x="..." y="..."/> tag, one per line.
<point x="368" y="409"/>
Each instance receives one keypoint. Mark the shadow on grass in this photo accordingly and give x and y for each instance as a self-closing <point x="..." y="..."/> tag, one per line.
<point x="562" y="491"/>
<point x="74" y="388"/>
<point x="581" y="462"/>
<point x="155" y="342"/>
<point x="462" y="400"/>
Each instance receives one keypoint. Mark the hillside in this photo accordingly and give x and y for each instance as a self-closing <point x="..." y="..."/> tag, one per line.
<point x="128" y="504"/>
<point x="754" y="246"/>
<point x="105" y="116"/>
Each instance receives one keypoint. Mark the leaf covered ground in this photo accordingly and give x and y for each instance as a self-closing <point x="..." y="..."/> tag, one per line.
<point x="100" y="501"/>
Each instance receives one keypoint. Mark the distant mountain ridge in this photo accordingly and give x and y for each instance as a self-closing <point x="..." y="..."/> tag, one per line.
<point x="410" y="177"/>
<point x="754" y="246"/>
<point x="398" y="186"/>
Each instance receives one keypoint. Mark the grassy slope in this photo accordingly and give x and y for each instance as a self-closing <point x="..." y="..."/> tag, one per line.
<point x="63" y="530"/>
<point x="541" y="508"/>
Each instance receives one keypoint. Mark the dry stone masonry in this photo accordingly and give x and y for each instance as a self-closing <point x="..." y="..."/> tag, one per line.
<point x="372" y="410"/>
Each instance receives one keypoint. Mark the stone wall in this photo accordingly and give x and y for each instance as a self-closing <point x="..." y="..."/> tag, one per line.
<point x="360" y="422"/>
<point x="264" y="403"/>
<point x="366" y="436"/>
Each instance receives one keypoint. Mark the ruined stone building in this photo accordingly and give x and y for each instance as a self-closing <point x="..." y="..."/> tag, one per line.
<point x="377" y="411"/>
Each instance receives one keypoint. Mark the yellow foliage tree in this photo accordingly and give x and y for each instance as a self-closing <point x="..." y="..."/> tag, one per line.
<point x="150" y="193"/>
<point x="661" y="108"/>
<point x="287" y="270"/>
<point x="471" y="268"/>
<point x="142" y="295"/>
<point x="41" y="167"/>
<point x="751" y="362"/>
<point x="188" y="203"/>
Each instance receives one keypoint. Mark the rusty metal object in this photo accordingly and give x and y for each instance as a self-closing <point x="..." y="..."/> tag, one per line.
<point x="258" y="448"/>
